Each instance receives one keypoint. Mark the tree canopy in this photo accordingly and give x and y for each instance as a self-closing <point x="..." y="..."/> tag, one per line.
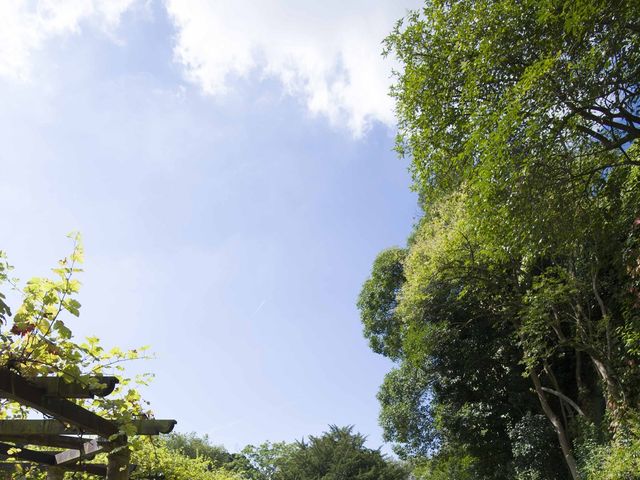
<point x="338" y="454"/>
<point x="516" y="298"/>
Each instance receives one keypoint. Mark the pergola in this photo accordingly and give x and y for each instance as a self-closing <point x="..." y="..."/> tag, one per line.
<point x="79" y="433"/>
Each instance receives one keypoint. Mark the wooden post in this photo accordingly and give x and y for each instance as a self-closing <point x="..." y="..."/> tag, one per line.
<point x="54" y="473"/>
<point x="118" y="461"/>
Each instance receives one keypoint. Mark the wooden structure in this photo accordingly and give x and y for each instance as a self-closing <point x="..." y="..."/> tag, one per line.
<point x="79" y="432"/>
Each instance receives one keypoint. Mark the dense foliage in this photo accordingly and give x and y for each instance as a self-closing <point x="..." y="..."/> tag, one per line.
<point x="194" y="446"/>
<point x="169" y="458"/>
<point x="338" y="454"/>
<point x="265" y="461"/>
<point x="513" y="314"/>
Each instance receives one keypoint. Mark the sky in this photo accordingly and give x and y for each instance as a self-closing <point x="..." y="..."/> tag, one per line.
<point x="230" y="167"/>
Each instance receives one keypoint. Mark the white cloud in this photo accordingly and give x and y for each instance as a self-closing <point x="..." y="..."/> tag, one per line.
<point x="328" y="52"/>
<point x="25" y="26"/>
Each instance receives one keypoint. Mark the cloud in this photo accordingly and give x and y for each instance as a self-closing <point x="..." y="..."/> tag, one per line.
<point x="25" y="26"/>
<point x="329" y="52"/>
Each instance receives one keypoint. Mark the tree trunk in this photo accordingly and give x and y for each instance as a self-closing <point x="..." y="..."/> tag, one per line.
<point x="579" y="383"/>
<point x="613" y="393"/>
<point x="565" y="445"/>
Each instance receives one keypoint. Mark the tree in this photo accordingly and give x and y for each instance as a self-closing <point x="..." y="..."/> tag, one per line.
<point x="263" y="462"/>
<point x="338" y="454"/>
<point x="194" y="446"/>
<point x="378" y="302"/>
<point x="549" y="87"/>
<point x="521" y="122"/>
<point x="161" y="457"/>
<point x="459" y="385"/>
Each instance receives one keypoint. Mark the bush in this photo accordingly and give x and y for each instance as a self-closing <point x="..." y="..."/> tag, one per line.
<point x="530" y="438"/>
<point x="155" y="458"/>
<point x="619" y="460"/>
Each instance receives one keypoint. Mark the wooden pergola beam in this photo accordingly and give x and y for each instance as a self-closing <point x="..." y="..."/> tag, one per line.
<point x="153" y="426"/>
<point x="30" y="428"/>
<point x="44" y="458"/>
<point x="49" y="395"/>
<point x="58" y="441"/>
<point x="87" y="450"/>
<point x="34" y="427"/>
<point x="59" y="387"/>
<point x="16" y="388"/>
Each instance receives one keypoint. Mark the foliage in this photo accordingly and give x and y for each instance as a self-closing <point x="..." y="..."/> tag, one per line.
<point x="338" y="454"/>
<point x="530" y="440"/>
<point x="517" y="297"/>
<point x="544" y="86"/>
<point x="378" y="302"/>
<point x="406" y="416"/>
<point x="445" y="465"/>
<point x="459" y="385"/>
<point x="160" y="456"/>
<point x="194" y="446"/>
<point x="36" y="340"/>
<point x="617" y="460"/>
<point x="263" y="462"/>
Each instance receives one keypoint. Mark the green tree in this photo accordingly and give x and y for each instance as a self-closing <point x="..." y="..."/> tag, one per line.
<point x="520" y="119"/>
<point x="195" y="446"/>
<point x="338" y="454"/>
<point x="458" y="386"/>
<point x="263" y="462"/>
<point x="445" y="465"/>
<point x="547" y="87"/>
<point x="160" y="457"/>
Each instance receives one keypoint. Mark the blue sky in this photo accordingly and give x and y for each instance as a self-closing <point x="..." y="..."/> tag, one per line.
<point x="231" y="170"/>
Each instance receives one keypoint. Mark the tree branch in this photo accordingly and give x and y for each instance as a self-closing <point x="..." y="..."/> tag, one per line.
<point x="565" y="398"/>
